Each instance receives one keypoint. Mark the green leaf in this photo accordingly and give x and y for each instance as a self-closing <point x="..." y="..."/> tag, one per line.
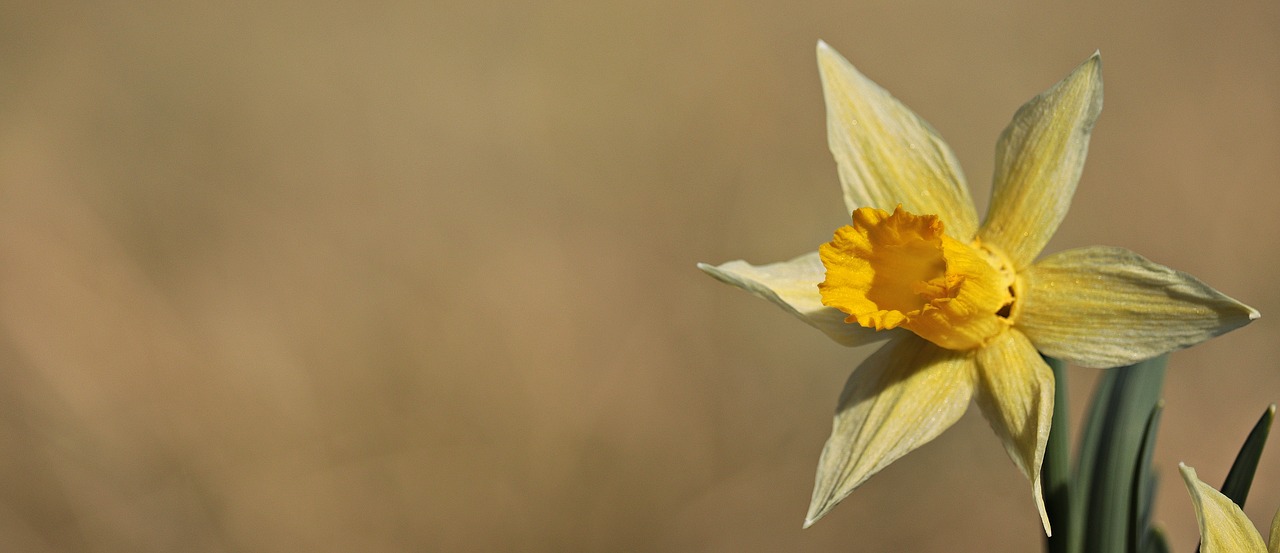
<point x="1240" y="478"/>
<point x="1144" y="484"/>
<point x="1156" y="542"/>
<point x="1055" y="472"/>
<point x="1089" y="443"/>
<point x="1121" y="411"/>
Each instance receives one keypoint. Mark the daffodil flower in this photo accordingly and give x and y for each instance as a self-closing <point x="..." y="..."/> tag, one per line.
<point x="1223" y="526"/>
<point x="966" y="308"/>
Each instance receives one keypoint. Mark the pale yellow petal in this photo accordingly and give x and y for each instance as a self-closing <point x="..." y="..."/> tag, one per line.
<point x="1107" y="307"/>
<point x="1038" y="161"/>
<point x="900" y="398"/>
<point x="1273" y="543"/>
<point x="1223" y="526"/>
<point x="1015" y="393"/>
<point x="886" y="154"/>
<point x="793" y="286"/>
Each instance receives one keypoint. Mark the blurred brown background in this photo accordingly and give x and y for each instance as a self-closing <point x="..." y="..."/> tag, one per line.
<point x="279" y="276"/>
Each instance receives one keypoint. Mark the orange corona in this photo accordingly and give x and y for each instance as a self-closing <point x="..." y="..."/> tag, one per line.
<point x="902" y="270"/>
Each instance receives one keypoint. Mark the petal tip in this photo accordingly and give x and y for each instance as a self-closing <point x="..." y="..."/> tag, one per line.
<point x="714" y="271"/>
<point x="817" y="510"/>
<point x="1089" y="71"/>
<point x="1095" y="64"/>
<point x="831" y="63"/>
<point x="825" y="498"/>
<point x="1189" y="478"/>
<point x="1253" y="313"/>
<point x="1037" y="491"/>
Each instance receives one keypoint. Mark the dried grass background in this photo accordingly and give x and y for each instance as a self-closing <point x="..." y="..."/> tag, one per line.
<point x="285" y="276"/>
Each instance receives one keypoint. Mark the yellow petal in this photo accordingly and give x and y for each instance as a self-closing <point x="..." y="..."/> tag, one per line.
<point x="793" y="286"/>
<point x="1038" y="162"/>
<point x="1015" y="393"/>
<point x="1107" y="307"/>
<point x="886" y="154"/>
<point x="1223" y="526"/>
<point x="900" y="398"/>
<point x="1273" y="543"/>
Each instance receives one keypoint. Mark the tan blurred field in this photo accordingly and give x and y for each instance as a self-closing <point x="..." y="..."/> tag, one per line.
<point x="283" y="276"/>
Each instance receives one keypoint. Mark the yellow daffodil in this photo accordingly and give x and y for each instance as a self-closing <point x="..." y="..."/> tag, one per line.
<point x="966" y="308"/>
<point x="1223" y="526"/>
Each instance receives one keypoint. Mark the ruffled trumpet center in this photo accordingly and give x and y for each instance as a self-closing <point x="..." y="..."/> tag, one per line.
<point x="902" y="270"/>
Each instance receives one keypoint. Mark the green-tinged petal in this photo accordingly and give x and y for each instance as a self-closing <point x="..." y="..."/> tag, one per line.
<point x="1015" y="392"/>
<point x="1106" y="307"/>
<point x="1273" y="543"/>
<point x="793" y="286"/>
<point x="900" y="398"/>
<point x="1223" y="526"/>
<point x="1038" y="161"/>
<point x="886" y="154"/>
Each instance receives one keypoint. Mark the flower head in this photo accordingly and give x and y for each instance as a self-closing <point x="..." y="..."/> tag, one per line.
<point x="1223" y="526"/>
<point x="966" y="308"/>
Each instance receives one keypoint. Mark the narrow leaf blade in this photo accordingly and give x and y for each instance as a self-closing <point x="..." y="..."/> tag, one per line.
<point x="1055" y="473"/>
<point x="1156" y="542"/>
<point x="1144" y="484"/>
<point x="1110" y="497"/>
<point x="1240" y="478"/>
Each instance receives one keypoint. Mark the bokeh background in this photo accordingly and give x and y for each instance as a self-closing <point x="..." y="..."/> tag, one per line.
<point x="398" y="276"/>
